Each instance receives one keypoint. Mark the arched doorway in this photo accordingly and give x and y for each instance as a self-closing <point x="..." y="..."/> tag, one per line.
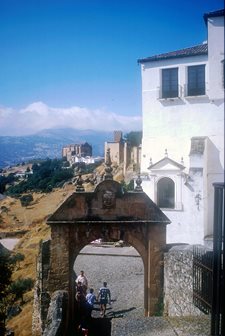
<point x="166" y="193"/>
<point x="112" y="214"/>
<point x="123" y="270"/>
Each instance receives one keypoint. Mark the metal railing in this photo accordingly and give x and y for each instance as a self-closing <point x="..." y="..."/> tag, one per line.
<point x="208" y="269"/>
<point x="202" y="278"/>
<point x="218" y="302"/>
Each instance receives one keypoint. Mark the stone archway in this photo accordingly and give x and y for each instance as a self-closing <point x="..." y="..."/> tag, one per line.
<point x="110" y="213"/>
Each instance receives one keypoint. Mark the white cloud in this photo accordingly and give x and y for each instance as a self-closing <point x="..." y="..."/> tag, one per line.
<point x="38" y="116"/>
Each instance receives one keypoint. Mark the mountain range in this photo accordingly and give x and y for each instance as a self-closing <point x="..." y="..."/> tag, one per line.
<point x="48" y="144"/>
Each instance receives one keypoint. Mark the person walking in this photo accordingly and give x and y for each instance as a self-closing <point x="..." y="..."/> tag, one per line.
<point x="91" y="298"/>
<point x="104" y="297"/>
<point x="83" y="280"/>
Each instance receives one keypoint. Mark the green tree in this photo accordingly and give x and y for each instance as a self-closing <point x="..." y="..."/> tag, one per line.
<point x="5" y="281"/>
<point x="66" y="164"/>
<point x="25" y="200"/>
<point x="128" y="186"/>
<point x="46" y="175"/>
<point x="134" y="138"/>
<point x="20" y="287"/>
<point x="17" y="258"/>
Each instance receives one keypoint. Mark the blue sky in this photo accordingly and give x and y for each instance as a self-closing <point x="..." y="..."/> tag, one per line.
<point x="78" y="58"/>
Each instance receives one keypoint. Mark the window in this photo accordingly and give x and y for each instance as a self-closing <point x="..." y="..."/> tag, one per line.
<point x="196" y="80"/>
<point x="165" y="193"/>
<point x="170" y="83"/>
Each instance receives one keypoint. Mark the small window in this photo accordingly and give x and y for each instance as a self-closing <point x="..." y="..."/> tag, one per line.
<point x="196" y="80"/>
<point x="165" y="193"/>
<point x="170" y="83"/>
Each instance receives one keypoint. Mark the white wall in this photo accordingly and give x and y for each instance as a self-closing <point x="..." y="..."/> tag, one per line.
<point x="216" y="56"/>
<point x="176" y="121"/>
<point x="171" y="123"/>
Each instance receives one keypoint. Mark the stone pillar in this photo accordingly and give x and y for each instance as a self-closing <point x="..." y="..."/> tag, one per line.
<point x="59" y="270"/>
<point x="154" y="274"/>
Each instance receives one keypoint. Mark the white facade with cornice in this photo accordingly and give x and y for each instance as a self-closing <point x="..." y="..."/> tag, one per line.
<point x="189" y="124"/>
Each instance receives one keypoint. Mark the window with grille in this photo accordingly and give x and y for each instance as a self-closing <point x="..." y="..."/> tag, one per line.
<point x="170" y="83"/>
<point x="196" y="80"/>
<point x="166" y="193"/>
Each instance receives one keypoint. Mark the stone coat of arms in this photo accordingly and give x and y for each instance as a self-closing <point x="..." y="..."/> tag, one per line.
<point x="108" y="199"/>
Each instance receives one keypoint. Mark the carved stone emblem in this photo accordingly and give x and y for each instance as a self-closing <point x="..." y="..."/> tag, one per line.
<point x="108" y="199"/>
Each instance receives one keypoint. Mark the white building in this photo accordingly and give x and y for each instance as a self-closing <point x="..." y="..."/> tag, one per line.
<point x="183" y="132"/>
<point x="87" y="159"/>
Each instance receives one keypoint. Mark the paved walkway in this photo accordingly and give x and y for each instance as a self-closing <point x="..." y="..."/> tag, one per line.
<point x="125" y="277"/>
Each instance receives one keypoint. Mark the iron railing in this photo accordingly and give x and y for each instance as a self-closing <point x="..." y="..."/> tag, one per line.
<point x="218" y="302"/>
<point x="202" y="278"/>
<point x="208" y="269"/>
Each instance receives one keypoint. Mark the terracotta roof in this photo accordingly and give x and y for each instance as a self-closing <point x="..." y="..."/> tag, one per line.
<point x="217" y="13"/>
<point x="201" y="49"/>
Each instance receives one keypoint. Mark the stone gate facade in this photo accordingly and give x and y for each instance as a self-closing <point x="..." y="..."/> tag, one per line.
<point x="112" y="214"/>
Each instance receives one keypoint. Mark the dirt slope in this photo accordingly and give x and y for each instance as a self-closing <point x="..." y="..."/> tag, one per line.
<point x="14" y="220"/>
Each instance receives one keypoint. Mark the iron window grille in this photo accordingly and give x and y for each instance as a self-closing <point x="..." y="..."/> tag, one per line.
<point x="196" y="80"/>
<point x="170" y="83"/>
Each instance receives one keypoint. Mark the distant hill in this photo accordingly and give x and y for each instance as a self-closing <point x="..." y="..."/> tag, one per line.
<point x="48" y="143"/>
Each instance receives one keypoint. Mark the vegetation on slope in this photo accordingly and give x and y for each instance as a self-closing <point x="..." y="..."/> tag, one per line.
<point x="46" y="175"/>
<point x="30" y="221"/>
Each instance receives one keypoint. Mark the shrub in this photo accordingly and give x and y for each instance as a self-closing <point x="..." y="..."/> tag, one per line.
<point x="17" y="258"/>
<point x="20" y="287"/>
<point x="26" y="199"/>
<point x="5" y="281"/>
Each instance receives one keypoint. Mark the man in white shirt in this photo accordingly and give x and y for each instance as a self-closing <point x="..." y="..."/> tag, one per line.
<point x="83" y="280"/>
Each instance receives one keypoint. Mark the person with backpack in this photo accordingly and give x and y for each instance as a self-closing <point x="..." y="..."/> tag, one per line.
<point x="104" y="297"/>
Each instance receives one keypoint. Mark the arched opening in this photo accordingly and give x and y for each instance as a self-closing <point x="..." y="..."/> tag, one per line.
<point x="123" y="270"/>
<point x="166" y="193"/>
<point x="111" y="214"/>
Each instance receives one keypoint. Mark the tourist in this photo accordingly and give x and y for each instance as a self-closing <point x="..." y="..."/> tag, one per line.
<point x="82" y="314"/>
<point x="80" y="289"/>
<point x="91" y="298"/>
<point x="104" y="297"/>
<point x="83" y="280"/>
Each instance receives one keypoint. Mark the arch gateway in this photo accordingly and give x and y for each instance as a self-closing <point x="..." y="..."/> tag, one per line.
<point x="112" y="214"/>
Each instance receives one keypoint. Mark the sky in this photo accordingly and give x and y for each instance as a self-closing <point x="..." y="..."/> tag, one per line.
<point x="73" y="63"/>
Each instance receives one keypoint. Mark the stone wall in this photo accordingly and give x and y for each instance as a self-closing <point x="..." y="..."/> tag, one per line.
<point x="41" y="295"/>
<point x="56" y="319"/>
<point x="178" y="282"/>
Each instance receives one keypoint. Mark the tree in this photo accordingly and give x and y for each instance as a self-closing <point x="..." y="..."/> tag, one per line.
<point x="20" y="287"/>
<point x="5" y="281"/>
<point x="17" y="258"/>
<point x="128" y="186"/>
<point x="134" y="138"/>
<point x="66" y="164"/>
<point x="25" y="200"/>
